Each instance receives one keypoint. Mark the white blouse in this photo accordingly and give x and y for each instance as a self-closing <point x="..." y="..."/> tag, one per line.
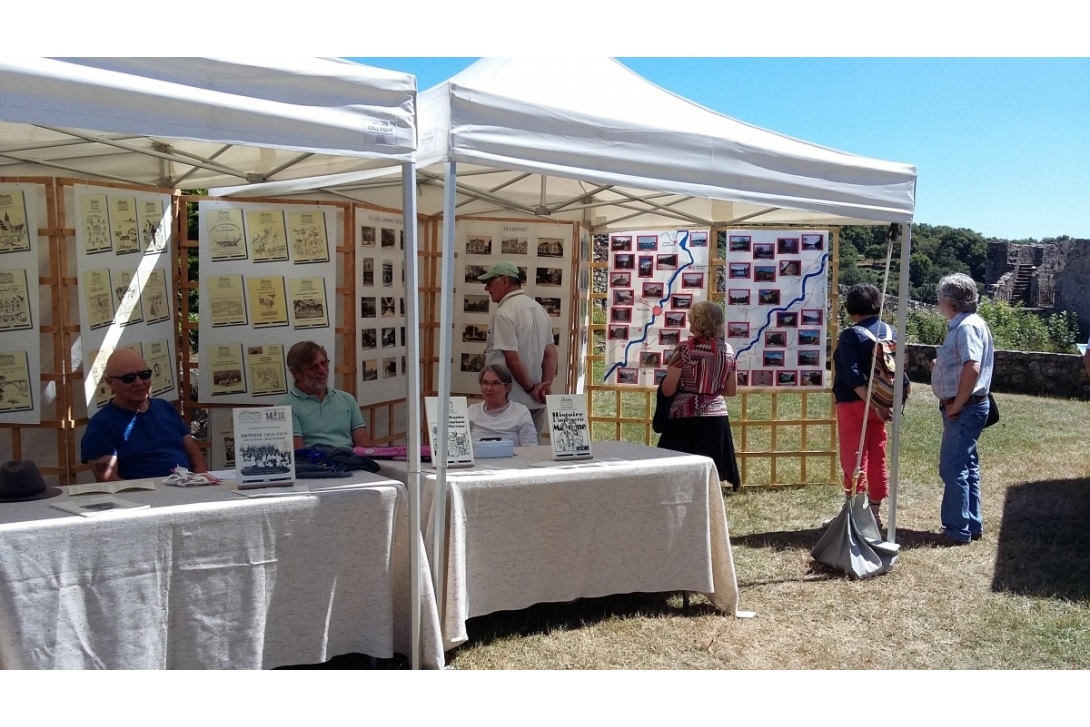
<point x="511" y="422"/>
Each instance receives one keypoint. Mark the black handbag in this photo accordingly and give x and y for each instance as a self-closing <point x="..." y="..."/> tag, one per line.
<point x="993" y="411"/>
<point x="662" y="411"/>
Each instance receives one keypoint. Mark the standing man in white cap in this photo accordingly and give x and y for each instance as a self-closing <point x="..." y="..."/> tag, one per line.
<point x="520" y="338"/>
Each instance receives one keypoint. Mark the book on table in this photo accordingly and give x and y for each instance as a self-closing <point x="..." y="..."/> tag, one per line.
<point x="110" y="488"/>
<point x="264" y="450"/>
<point x="94" y="505"/>
<point x="459" y="441"/>
<point x="569" y="430"/>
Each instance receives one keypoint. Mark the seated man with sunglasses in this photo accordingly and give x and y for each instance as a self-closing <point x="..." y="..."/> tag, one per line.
<point x="134" y="436"/>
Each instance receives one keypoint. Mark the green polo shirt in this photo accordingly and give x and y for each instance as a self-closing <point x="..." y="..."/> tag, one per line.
<point x="329" y="421"/>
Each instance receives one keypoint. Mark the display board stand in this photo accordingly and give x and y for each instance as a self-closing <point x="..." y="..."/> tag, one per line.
<point x="782" y="438"/>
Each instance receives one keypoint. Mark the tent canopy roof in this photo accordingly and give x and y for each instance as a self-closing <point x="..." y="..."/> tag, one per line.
<point x="589" y="138"/>
<point x="200" y="122"/>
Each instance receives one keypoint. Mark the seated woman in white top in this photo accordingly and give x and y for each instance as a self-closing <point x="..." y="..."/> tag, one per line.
<point x="497" y="416"/>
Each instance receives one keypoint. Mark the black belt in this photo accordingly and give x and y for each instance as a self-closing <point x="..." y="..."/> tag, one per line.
<point x="972" y="400"/>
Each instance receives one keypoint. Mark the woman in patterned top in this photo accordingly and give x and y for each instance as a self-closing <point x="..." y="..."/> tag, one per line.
<point x="699" y="373"/>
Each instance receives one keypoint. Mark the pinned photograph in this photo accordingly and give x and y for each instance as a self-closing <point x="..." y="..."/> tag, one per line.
<point x="370" y="370"/>
<point x="550" y="247"/>
<point x="389" y="307"/>
<point x="620" y="315"/>
<point x="768" y="296"/>
<point x="624" y="261"/>
<point x="660" y="374"/>
<point x="513" y="246"/>
<point x="472" y="362"/>
<point x="764" y="251"/>
<point x="763" y="378"/>
<point x="812" y="316"/>
<point x="667" y="262"/>
<point x="628" y="376"/>
<point x="790" y="268"/>
<point x="472" y="272"/>
<point x="620" y="280"/>
<point x="479" y="245"/>
<point x="549" y="276"/>
<point x="698" y="238"/>
<point x="787" y="246"/>
<point x="809" y="338"/>
<point x="674" y="319"/>
<point x="669" y="338"/>
<point x="646" y="267"/>
<point x="764" y="273"/>
<point x="652" y="290"/>
<point x="621" y="243"/>
<point x="368" y="338"/>
<point x="739" y="243"/>
<point x="475" y="304"/>
<point x="367" y="236"/>
<point x="647" y="243"/>
<point x="681" y="302"/>
<point x="787" y="378"/>
<point x="738" y="329"/>
<point x="552" y="305"/>
<point x="788" y="319"/>
<point x="813" y="242"/>
<point x="389" y="240"/>
<point x="737" y="296"/>
<point x="368" y="274"/>
<point x="811" y="378"/>
<point x="775" y="339"/>
<point x="650" y="359"/>
<point x="809" y="358"/>
<point x="743" y="378"/>
<point x="621" y="297"/>
<point x="773" y="358"/>
<point x="692" y="280"/>
<point x="738" y="271"/>
<point x="389" y="338"/>
<point x="618" y="333"/>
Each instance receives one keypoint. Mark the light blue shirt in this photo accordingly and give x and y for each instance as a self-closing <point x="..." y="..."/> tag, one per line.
<point x="329" y="421"/>
<point x="967" y="339"/>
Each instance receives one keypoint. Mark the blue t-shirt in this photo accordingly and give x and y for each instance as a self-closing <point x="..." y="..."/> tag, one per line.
<point x="146" y="445"/>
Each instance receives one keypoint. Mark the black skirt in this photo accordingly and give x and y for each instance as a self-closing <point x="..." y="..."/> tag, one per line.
<point x="708" y="436"/>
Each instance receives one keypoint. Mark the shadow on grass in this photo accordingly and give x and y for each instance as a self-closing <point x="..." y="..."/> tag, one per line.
<point x="544" y="618"/>
<point x="1044" y="540"/>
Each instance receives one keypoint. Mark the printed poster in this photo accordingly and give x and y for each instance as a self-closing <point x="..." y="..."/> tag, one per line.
<point x="308" y="303"/>
<point x="157" y="354"/>
<point x="226" y="240"/>
<point x="98" y="298"/>
<point x="124" y="227"/>
<point x="95" y="221"/>
<point x="228" y="300"/>
<point x="267" y="372"/>
<point x="155" y="230"/>
<point x="459" y="441"/>
<point x="16" y="391"/>
<point x="14" y="301"/>
<point x="267" y="301"/>
<point x="126" y="287"/>
<point x="308" y="238"/>
<point x="153" y="297"/>
<point x="225" y="363"/>
<point x="14" y="230"/>
<point x="267" y="236"/>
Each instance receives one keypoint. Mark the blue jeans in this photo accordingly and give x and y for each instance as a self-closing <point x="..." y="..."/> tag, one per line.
<point x="959" y="468"/>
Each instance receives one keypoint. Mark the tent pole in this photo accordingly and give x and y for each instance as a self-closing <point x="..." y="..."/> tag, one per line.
<point x="412" y="397"/>
<point x="898" y="386"/>
<point x="439" y="442"/>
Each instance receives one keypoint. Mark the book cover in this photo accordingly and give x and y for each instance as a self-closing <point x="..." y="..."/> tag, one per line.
<point x="264" y="451"/>
<point x="459" y="443"/>
<point x="569" y="430"/>
<point x="95" y="505"/>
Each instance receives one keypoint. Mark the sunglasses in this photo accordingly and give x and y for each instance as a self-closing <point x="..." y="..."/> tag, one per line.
<point x="129" y="378"/>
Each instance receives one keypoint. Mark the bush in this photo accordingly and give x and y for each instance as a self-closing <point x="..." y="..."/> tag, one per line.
<point x="1013" y="328"/>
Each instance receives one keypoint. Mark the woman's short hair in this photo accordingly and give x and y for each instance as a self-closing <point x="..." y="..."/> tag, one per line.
<point x="706" y="319"/>
<point x="960" y="290"/>
<point x="863" y="299"/>
<point x="501" y="372"/>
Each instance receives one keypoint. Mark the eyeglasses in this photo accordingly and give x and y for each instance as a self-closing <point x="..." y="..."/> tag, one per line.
<point x="129" y="378"/>
<point x="492" y="383"/>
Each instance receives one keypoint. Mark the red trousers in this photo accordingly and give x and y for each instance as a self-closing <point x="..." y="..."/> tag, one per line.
<point x="874" y="474"/>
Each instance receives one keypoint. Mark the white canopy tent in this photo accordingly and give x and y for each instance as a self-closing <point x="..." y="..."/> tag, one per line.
<point x="589" y="139"/>
<point x="197" y="122"/>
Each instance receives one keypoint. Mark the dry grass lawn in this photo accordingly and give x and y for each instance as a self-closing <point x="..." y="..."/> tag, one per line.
<point x="1018" y="599"/>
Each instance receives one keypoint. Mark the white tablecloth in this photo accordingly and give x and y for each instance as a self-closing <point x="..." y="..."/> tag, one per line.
<point x="651" y="520"/>
<point x="208" y="579"/>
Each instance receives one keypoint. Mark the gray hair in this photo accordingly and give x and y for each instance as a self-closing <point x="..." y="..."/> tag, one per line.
<point x="960" y="290"/>
<point x="501" y="372"/>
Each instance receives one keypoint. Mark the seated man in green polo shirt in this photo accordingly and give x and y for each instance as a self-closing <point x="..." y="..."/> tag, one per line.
<point x="320" y="414"/>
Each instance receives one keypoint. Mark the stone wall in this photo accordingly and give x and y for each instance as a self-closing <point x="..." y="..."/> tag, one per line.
<point x="1060" y="280"/>
<point x="1059" y="375"/>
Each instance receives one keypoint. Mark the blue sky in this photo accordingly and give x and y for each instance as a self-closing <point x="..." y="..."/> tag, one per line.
<point x="1001" y="145"/>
